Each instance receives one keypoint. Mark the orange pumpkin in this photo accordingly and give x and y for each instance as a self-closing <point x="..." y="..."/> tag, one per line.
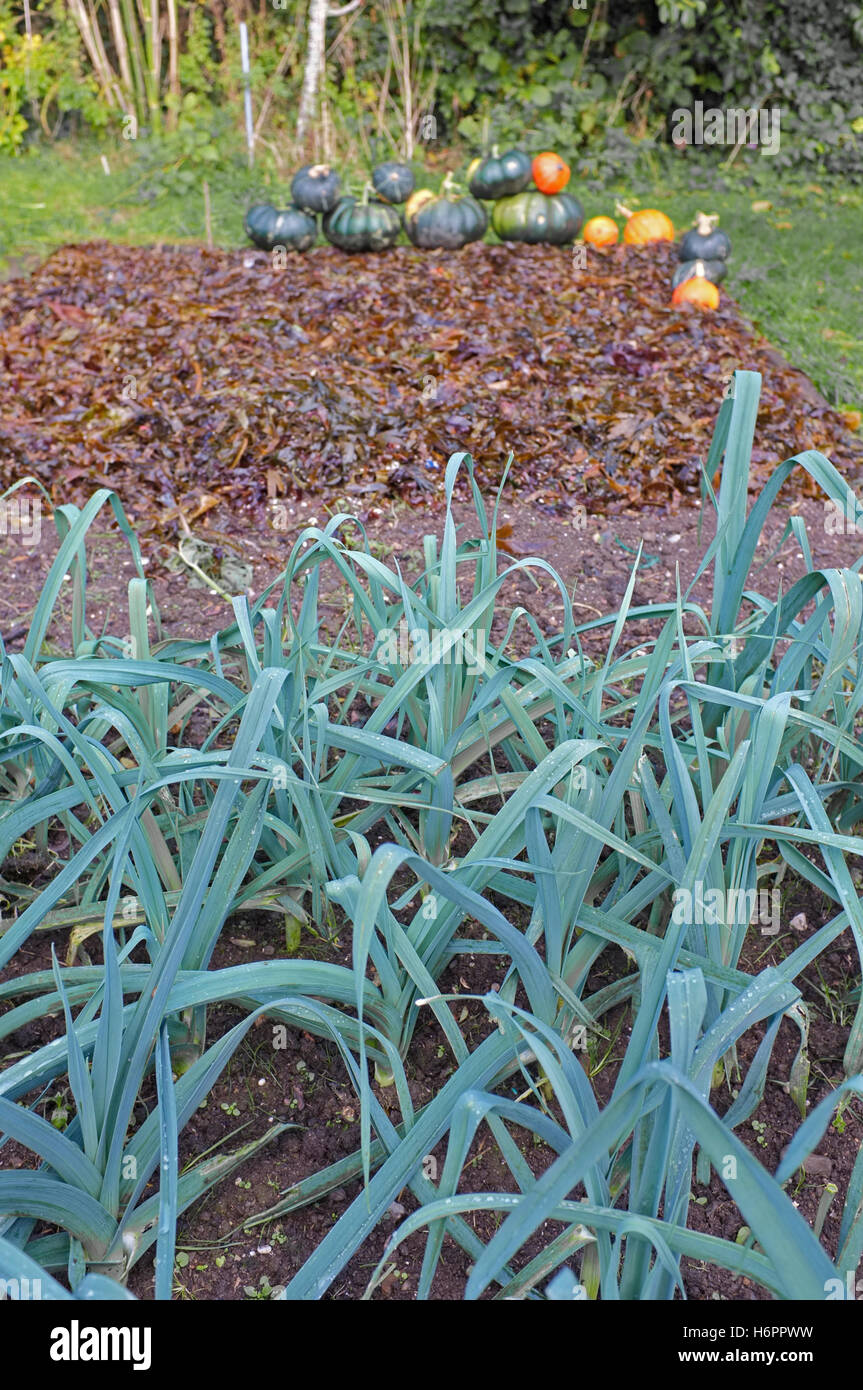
<point x="550" y="173"/>
<point x="697" y="291"/>
<point x="601" y="231"/>
<point x="645" y="226"/>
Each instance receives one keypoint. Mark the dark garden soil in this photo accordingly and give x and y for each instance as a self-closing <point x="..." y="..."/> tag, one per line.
<point x="226" y="1249"/>
<point x="606" y="397"/>
<point x="594" y="556"/>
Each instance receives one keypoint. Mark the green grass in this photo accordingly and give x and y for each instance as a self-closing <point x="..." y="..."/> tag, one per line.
<point x="64" y="195"/>
<point x="796" y="269"/>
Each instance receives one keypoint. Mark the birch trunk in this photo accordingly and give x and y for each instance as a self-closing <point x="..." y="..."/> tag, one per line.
<point x="319" y="13"/>
<point x="314" y="65"/>
<point x="173" y="63"/>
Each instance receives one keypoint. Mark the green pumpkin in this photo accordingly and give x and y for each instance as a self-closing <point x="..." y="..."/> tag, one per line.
<point x="499" y="175"/>
<point x="554" y="218"/>
<point x="292" y="227"/>
<point x="257" y="223"/>
<point x="704" y="241"/>
<point x="448" y="219"/>
<point x="316" y="188"/>
<point x="393" y="182"/>
<point x="715" y="271"/>
<point x="357" y="225"/>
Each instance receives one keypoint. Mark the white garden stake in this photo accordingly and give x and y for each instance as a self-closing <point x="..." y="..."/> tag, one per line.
<point x="247" y="92"/>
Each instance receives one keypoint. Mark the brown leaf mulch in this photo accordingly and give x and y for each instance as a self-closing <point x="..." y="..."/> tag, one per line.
<point x="182" y="377"/>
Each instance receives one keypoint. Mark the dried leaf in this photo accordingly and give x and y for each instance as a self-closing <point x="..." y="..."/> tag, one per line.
<point x="187" y="378"/>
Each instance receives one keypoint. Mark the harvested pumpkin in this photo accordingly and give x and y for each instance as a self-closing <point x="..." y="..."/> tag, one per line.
<point x="362" y="224"/>
<point x="699" y="291"/>
<point x="645" y="225"/>
<point x="704" y="241"/>
<point x="601" y="231"/>
<point x="499" y="175"/>
<point x="448" y="219"/>
<point x="538" y="217"/>
<point x="293" y="228"/>
<point x="550" y="172"/>
<point x="257" y="222"/>
<point x="393" y="182"/>
<point x="707" y="270"/>
<point x="316" y="188"/>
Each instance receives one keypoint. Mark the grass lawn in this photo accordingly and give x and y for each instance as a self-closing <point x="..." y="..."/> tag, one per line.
<point x="796" y="270"/>
<point x="797" y="266"/>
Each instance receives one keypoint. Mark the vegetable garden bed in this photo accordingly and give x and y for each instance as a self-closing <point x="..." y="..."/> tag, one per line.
<point x="174" y="374"/>
<point x="245" y="833"/>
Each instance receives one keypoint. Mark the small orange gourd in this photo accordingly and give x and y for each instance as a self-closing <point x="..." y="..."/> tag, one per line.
<point x="698" y="291"/>
<point x="644" y="226"/>
<point x="601" y="231"/>
<point x="550" y="173"/>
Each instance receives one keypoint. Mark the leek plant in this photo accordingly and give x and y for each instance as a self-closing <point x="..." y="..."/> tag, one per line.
<point x="565" y="804"/>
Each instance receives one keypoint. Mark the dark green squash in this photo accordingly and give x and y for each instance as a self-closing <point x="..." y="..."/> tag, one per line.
<point x="499" y="175"/>
<point x="362" y="224"/>
<point x="257" y="223"/>
<point x="316" y="188"/>
<point x="393" y="182"/>
<point x="449" y="219"/>
<point x="294" y="228"/>
<point x="291" y="227"/>
<point x="715" y="271"/>
<point x="554" y="218"/>
<point x="704" y="241"/>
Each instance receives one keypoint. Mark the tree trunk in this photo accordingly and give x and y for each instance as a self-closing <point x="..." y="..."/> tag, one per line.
<point x="314" y="65"/>
<point x="319" y="12"/>
<point x="173" y="64"/>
